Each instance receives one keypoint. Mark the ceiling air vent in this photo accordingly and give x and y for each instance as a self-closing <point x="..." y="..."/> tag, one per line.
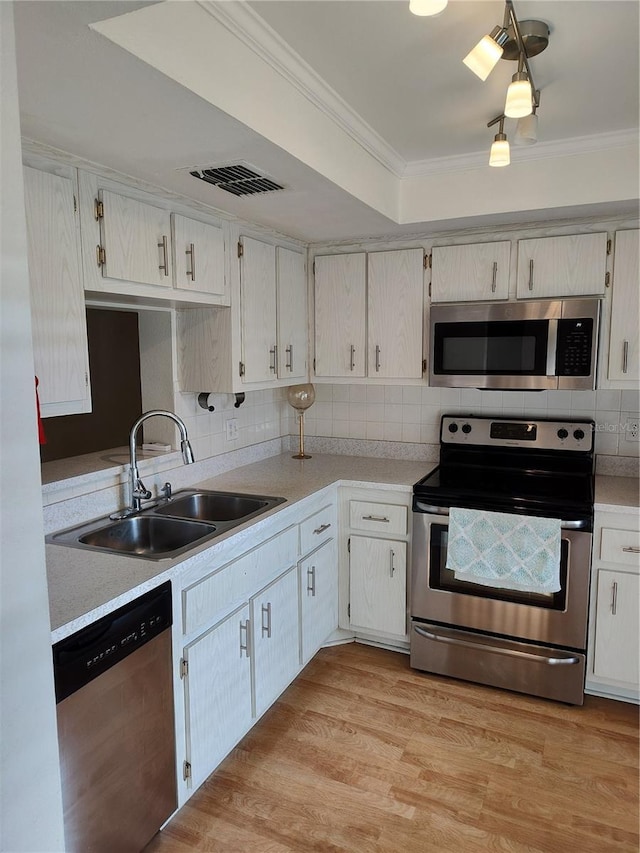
<point x="237" y="179"/>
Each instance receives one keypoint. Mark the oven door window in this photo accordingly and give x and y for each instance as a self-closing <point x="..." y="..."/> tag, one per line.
<point x="500" y="348"/>
<point x="444" y="579"/>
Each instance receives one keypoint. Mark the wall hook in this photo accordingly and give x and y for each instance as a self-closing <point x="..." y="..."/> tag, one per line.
<point x="239" y="400"/>
<point x="203" y="401"/>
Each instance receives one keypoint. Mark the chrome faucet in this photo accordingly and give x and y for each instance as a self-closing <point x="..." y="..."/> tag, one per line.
<point x="139" y="491"/>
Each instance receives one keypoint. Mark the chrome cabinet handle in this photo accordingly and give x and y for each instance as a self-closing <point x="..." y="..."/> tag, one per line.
<point x="244" y="647"/>
<point x="322" y="528"/>
<point x="274" y="360"/>
<point x="311" y="581"/>
<point x="392" y="568"/>
<point x="352" y="357"/>
<point x="614" y="598"/>
<point x="266" y="629"/>
<point x="165" y="254"/>
<point x="377" y="359"/>
<point x="531" y="274"/>
<point x="495" y="275"/>
<point x="375" y="518"/>
<point x="191" y="253"/>
<point x="625" y="356"/>
<point x="631" y="549"/>
<point x="495" y="649"/>
<point x="289" y="364"/>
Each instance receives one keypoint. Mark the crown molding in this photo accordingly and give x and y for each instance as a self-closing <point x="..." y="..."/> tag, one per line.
<point x="247" y="25"/>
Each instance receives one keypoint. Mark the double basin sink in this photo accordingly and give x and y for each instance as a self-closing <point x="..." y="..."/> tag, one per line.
<point x="170" y="527"/>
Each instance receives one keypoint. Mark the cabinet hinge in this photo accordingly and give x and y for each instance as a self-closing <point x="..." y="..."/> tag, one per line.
<point x="314" y="365"/>
<point x="607" y="279"/>
<point x="429" y="290"/>
<point x="424" y="365"/>
<point x="609" y="246"/>
<point x="184" y="668"/>
<point x="101" y="256"/>
<point x="427" y="261"/>
<point x="186" y="770"/>
<point x="349" y="610"/>
<point x="241" y="368"/>
<point x="314" y="267"/>
<point x="349" y="545"/>
<point x="98" y="209"/>
<point x="240" y="249"/>
<point x="75" y="204"/>
<point x="86" y="379"/>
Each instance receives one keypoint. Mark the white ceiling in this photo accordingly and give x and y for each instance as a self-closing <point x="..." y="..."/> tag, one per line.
<point x="400" y="75"/>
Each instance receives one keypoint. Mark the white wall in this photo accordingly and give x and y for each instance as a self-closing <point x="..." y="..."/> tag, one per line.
<point x="30" y="803"/>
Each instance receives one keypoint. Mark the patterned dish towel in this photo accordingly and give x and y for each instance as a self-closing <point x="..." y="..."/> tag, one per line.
<point x="504" y="550"/>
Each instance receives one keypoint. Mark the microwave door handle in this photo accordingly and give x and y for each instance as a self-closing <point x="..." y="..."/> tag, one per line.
<point x="552" y="346"/>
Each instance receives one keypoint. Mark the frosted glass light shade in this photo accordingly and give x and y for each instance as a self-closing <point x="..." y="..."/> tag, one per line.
<point x="527" y="130"/>
<point x="500" y="154"/>
<point x="485" y="55"/>
<point x="427" y="7"/>
<point x="519" y="101"/>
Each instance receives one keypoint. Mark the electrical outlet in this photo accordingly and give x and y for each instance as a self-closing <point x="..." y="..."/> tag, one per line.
<point x="231" y="429"/>
<point x="632" y="427"/>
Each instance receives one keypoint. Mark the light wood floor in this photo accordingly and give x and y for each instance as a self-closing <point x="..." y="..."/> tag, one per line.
<point x="364" y="755"/>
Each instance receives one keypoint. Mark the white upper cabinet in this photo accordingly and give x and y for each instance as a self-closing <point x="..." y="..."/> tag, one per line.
<point x="292" y="320"/>
<point x="258" y="310"/>
<point x="340" y="308"/>
<point x="373" y="300"/>
<point x="477" y="271"/>
<point x="396" y="306"/>
<point x="573" y="265"/>
<point x="58" y="316"/>
<point x="624" y="342"/>
<point x="198" y="255"/>
<point x="136" y="243"/>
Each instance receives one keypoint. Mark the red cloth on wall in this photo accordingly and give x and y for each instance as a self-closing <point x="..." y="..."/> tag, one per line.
<point x="42" y="438"/>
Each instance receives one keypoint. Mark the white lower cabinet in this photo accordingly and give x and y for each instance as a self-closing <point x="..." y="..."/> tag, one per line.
<point x="318" y="598"/>
<point x="378" y="585"/>
<point x="217" y="693"/>
<point x="275" y="639"/>
<point x="613" y="660"/>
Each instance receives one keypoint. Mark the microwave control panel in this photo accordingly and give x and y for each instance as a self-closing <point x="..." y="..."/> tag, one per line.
<point x="574" y="347"/>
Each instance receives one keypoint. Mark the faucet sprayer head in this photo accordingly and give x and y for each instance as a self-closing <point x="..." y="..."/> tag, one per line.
<point x="187" y="452"/>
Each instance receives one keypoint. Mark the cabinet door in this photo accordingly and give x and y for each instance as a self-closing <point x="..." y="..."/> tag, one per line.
<point x="378" y="585"/>
<point x="198" y="256"/>
<point x="217" y="693"/>
<point x="258" y="310"/>
<point x="319" y="597"/>
<point x="59" y="323"/>
<point x="396" y="307"/>
<point x="136" y="240"/>
<point x="562" y="266"/>
<point x="293" y="336"/>
<point x="340" y="307"/>
<point x="624" y="345"/>
<point x="276" y="639"/>
<point x="616" y="638"/>
<point x="478" y="271"/>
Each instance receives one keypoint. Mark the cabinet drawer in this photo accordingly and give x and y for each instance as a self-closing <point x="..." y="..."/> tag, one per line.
<point x="620" y="546"/>
<point x="238" y="581"/>
<point x="382" y="518"/>
<point x="317" y="529"/>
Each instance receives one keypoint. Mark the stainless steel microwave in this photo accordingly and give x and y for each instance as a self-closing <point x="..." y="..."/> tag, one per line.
<point x="530" y="346"/>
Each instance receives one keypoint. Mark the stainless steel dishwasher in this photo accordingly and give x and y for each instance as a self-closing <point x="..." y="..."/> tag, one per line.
<point x="114" y="693"/>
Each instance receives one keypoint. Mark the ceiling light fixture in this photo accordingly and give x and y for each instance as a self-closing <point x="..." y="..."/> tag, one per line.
<point x="500" y="154"/>
<point x="427" y="7"/>
<point x="527" y="129"/>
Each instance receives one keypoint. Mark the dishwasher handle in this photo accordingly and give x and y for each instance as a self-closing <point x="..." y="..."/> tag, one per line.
<point x="94" y="649"/>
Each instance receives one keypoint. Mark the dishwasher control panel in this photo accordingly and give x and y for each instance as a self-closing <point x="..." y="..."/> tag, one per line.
<point x="89" y="652"/>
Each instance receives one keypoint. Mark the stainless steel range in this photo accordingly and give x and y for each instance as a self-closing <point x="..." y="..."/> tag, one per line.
<point x="529" y="641"/>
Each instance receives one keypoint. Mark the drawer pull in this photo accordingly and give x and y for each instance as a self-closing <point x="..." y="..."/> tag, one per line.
<point x="631" y="549"/>
<point x="311" y="581"/>
<point x="614" y="598"/>
<point x="375" y="518"/>
<point x="266" y="629"/>
<point x="244" y="647"/>
<point x="322" y="528"/>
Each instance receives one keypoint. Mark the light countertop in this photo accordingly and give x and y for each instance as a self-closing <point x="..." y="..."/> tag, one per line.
<point x="85" y="584"/>
<point x="617" y="494"/>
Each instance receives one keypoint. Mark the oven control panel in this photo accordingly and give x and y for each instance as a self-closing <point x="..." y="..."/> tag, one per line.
<point x="517" y="432"/>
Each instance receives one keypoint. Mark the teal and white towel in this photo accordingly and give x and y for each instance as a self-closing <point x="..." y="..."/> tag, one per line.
<point x="504" y="550"/>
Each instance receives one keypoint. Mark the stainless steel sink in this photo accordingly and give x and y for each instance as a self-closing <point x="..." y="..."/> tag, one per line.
<point x="217" y="506"/>
<point x="146" y="536"/>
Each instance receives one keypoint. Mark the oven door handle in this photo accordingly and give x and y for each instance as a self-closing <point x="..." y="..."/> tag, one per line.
<point x="443" y="510"/>
<point x="568" y="661"/>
